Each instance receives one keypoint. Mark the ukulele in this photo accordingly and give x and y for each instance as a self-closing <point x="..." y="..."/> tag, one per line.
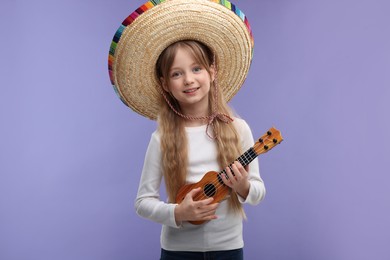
<point x="211" y="183"/>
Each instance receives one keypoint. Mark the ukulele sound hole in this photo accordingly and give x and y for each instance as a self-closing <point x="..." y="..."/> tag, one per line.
<point x="209" y="190"/>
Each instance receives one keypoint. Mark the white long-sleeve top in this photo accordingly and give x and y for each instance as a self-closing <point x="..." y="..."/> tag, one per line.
<point x="223" y="233"/>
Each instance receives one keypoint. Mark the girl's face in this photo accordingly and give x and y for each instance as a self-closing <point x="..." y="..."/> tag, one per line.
<point x="189" y="82"/>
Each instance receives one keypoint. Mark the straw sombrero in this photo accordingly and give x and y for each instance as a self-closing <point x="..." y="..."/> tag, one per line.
<point x="145" y="33"/>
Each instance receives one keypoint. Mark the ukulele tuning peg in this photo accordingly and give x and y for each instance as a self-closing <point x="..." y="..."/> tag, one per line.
<point x="275" y="140"/>
<point x="266" y="147"/>
<point x="260" y="140"/>
<point x="269" y="133"/>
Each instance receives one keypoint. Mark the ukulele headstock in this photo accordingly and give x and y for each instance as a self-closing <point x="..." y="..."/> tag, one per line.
<point x="268" y="141"/>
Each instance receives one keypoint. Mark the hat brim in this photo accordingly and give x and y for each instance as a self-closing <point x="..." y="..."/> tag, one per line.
<point x="152" y="28"/>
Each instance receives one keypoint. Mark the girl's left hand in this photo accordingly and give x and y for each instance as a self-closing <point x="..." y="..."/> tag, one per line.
<point x="239" y="181"/>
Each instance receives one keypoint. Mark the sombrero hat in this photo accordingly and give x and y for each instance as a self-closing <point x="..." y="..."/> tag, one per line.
<point x="146" y="32"/>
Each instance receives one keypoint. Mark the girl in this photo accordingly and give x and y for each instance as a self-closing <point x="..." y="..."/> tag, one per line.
<point x="182" y="152"/>
<point x="196" y="132"/>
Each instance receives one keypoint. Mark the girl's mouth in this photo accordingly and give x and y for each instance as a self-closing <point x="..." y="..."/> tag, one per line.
<point x="191" y="90"/>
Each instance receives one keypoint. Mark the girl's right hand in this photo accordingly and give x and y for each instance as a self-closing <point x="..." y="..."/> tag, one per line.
<point x="190" y="210"/>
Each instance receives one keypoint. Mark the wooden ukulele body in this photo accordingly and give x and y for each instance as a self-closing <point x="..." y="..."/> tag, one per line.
<point x="211" y="186"/>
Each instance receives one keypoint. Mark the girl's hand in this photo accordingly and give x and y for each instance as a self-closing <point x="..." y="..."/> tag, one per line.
<point x="190" y="210"/>
<point x="239" y="182"/>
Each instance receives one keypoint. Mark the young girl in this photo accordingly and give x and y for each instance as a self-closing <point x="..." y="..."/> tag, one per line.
<point x="182" y="152"/>
<point x="196" y="132"/>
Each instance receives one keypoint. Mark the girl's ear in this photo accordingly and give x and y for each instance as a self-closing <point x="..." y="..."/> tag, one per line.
<point x="212" y="72"/>
<point x="164" y="85"/>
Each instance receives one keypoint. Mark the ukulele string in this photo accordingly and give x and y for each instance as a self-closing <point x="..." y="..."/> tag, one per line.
<point x="216" y="184"/>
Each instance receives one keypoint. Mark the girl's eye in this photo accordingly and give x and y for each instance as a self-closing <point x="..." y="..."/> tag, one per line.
<point x="197" y="69"/>
<point x="175" y="74"/>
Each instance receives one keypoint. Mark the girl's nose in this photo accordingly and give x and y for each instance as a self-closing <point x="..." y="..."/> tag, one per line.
<point x="188" y="79"/>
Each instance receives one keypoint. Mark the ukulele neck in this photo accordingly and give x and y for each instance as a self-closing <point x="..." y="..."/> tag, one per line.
<point x="245" y="159"/>
<point x="265" y="143"/>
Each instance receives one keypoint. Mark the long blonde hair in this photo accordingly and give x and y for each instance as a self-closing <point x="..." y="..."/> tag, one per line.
<point x="172" y="127"/>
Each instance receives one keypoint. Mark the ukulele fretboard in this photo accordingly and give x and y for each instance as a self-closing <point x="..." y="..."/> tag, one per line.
<point x="245" y="159"/>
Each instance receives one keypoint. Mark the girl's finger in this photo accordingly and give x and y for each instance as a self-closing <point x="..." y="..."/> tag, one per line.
<point x="226" y="180"/>
<point x="242" y="171"/>
<point x="230" y="175"/>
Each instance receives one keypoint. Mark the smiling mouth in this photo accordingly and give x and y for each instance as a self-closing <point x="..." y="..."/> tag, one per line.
<point x="191" y="90"/>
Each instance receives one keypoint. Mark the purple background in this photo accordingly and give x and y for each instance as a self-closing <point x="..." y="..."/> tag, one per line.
<point x="71" y="153"/>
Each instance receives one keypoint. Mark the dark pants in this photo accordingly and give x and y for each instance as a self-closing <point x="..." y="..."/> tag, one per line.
<point x="236" y="254"/>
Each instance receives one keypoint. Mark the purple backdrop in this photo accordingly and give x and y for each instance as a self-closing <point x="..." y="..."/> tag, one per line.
<point x="71" y="153"/>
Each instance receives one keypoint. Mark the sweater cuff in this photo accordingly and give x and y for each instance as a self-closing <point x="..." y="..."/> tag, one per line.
<point x="241" y="199"/>
<point x="172" y="220"/>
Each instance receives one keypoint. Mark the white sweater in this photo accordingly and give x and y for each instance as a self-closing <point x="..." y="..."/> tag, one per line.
<point x="223" y="233"/>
